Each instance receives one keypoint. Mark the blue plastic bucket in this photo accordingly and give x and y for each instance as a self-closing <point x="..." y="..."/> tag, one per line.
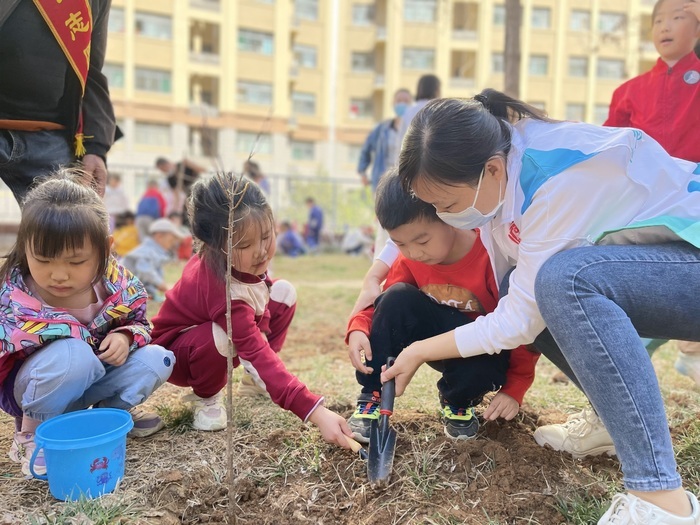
<point x="84" y="451"/>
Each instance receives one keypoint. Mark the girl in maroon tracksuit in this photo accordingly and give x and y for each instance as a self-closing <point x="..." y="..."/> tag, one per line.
<point x="192" y="320"/>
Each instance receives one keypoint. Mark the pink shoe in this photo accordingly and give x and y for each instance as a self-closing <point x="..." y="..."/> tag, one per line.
<point x="21" y="451"/>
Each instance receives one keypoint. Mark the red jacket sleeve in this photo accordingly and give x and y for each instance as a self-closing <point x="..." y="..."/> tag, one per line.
<point x="521" y="372"/>
<point x="255" y="353"/>
<point x="398" y="273"/>
<point x="619" y="115"/>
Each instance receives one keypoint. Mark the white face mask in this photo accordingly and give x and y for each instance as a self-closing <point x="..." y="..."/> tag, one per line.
<point x="471" y="218"/>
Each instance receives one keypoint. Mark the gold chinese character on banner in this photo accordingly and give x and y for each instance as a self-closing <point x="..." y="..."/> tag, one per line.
<point x="75" y="24"/>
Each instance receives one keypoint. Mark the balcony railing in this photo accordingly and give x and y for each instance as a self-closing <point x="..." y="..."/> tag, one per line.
<point x="464" y="34"/>
<point x="211" y="5"/>
<point x="205" y="58"/>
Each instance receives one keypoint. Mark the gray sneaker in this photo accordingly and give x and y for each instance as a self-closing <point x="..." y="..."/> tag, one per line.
<point x="366" y="411"/>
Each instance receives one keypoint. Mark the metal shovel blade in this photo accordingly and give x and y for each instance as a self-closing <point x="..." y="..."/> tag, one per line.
<point x="382" y="445"/>
<point x="382" y="438"/>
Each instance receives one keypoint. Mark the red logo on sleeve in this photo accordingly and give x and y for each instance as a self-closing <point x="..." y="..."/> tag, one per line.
<point x="514" y="233"/>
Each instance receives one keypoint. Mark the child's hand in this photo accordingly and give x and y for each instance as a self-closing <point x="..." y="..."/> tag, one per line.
<point x="405" y="367"/>
<point x="333" y="427"/>
<point x="502" y="405"/>
<point x="115" y="348"/>
<point x="359" y="350"/>
<point x="693" y="7"/>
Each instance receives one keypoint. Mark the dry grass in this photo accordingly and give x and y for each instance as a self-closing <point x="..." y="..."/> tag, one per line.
<point x="284" y="472"/>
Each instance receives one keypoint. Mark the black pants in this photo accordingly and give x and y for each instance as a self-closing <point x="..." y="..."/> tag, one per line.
<point x="402" y="315"/>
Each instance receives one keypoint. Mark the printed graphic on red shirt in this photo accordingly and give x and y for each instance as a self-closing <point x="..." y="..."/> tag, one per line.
<point x="455" y="296"/>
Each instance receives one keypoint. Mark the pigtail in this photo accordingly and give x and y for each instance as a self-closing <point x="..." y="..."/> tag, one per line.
<point x="508" y="108"/>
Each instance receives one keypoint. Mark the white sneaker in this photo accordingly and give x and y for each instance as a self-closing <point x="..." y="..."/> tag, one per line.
<point x="209" y="412"/>
<point x="627" y="509"/>
<point x="582" y="435"/>
<point x="249" y="388"/>
<point x="689" y="365"/>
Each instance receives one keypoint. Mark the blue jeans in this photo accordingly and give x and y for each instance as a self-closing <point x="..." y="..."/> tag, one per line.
<point x="66" y="375"/>
<point x="597" y="301"/>
<point x="26" y="155"/>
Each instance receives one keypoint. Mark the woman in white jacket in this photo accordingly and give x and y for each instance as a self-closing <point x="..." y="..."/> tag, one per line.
<point x="603" y="229"/>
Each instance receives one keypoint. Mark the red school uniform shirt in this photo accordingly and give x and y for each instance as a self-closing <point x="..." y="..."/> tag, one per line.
<point x="468" y="285"/>
<point x="665" y="104"/>
<point x="200" y="297"/>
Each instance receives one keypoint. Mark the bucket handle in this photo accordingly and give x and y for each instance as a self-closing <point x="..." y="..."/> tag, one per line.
<point x="39" y="446"/>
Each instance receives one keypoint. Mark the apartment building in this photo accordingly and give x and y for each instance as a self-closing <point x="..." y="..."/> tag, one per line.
<point x="301" y="82"/>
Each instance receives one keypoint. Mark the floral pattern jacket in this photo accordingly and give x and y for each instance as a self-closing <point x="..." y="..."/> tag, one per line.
<point x="26" y="324"/>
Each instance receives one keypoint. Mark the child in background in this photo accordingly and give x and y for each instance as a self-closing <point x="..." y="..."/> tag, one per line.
<point x="151" y="206"/>
<point x="665" y="103"/>
<point x="115" y="199"/>
<point x="314" y="224"/>
<point x="74" y="327"/>
<point x="147" y="259"/>
<point x="126" y="234"/>
<point x="192" y="320"/>
<point x="289" y="241"/>
<point x="441" y="280"/>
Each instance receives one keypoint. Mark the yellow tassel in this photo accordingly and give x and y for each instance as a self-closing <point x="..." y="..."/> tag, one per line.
<point x="79" y="146"/>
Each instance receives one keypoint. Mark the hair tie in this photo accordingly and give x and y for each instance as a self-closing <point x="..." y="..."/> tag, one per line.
<point x="482" y="98"/>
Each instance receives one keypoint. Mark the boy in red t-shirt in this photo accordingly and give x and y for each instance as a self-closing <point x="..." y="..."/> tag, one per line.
<point x="441" y="280"/>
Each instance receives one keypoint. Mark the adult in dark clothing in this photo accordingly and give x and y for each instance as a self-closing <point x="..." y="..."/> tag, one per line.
<point x="54" y="110"/>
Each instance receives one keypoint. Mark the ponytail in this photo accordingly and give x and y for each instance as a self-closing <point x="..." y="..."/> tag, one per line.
<point x="450" y="140"/>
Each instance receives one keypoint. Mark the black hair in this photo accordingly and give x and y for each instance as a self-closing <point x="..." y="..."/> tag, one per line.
<point x="208" y="209"/>
<point x="450" y="140"/>
<point x="428" y="87"/>
<point x="161" y="160"/>
<point x="60" y="214"/>
<point x="395" y="206"/>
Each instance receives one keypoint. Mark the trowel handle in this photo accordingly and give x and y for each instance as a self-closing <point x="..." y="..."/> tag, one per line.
<point x="386" y="406"/>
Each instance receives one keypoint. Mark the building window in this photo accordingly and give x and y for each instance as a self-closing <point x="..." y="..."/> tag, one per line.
<point x="362" y="61"/>
<point x="155" y="80"/>
<point x="354" y="151"/>
<point x="150" y="134"/>
<point x="580" y="20"/>
<point x="362" y="14"/>
<point x="538" y="105"/>
<point x="255" y="41"/>
<point x="258" y="93"/>
<point x="249" y="142"/>
<point x="539" y="65"/>
<point x="306" y="9"/>
<point x="361" y="108"/>
<point x="419" y="10"/>
<point x="578" y="66"/>
<point x="303" y="150"/>
<point x="541" y="17"/>
<point x="611" y="68"/>
<point x="115" y="23"/>
<point x="303" y="103"/>
<point x="575" y="112"/>
<point x="498" y="62"/>
<point x="612" y="22"/>
<point x="305" y="56"/>
<point x="114" y="74"/>
<point x="600" y="113"/>
<point x="153" y="26"/>
<point x="416" y="58"/>
<point x="499" y="15"/>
